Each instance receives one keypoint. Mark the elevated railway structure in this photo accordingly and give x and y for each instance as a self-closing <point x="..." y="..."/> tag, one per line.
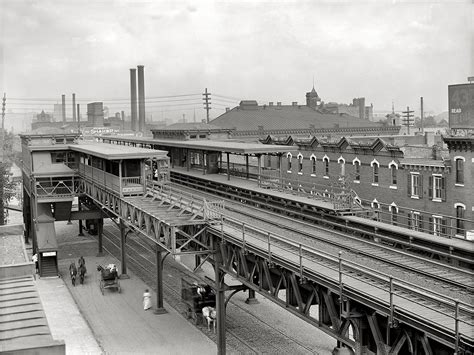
<point x="364" y="309"/>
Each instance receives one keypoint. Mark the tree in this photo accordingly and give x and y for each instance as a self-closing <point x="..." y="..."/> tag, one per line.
<point x="7" y="185"/>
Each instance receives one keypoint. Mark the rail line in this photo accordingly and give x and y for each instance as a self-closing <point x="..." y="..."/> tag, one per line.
<point x="142" y="257"/>
<point x="450" y="280"/>
<point x="307" y="214"/>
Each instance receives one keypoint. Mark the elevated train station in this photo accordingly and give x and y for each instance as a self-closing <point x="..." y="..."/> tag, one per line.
<point x="127" y="182"/>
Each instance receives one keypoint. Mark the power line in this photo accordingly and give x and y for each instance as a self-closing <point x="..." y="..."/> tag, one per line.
<point x="207" y="102"/>
<point x="407" y="118"/>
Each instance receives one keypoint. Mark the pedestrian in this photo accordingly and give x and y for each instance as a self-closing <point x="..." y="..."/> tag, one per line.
<point x="34" y="259"/>
<point x="146" y="300"/>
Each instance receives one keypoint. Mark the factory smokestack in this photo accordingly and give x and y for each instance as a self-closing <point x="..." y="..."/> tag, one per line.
<point x="73" y="107"/>
<point x="141" y="99"/>
<point x="63" y="107"/>
<point x="133" y="97"/>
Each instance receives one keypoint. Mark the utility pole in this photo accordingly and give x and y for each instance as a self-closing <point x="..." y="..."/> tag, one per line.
<point x="407" y="118"/>
<point x="207" y="102"/>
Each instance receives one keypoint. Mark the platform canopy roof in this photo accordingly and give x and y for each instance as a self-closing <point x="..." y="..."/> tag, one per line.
<point x="115" y="152"/>
<point x="227" y="146"/>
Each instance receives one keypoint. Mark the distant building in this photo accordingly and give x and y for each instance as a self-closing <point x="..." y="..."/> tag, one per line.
<point x="95" y="114"/>
<point x="43" y="117"/>
<point x="191" y="131"/>
<point x="356" y="109"/>
<point x="250" y="120"/>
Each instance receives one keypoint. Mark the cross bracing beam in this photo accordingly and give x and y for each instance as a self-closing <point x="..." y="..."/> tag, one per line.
<point x="302" y="279"/>
<point x="159" y="216"/>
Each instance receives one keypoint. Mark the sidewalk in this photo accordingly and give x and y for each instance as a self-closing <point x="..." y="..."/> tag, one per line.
<point x="64" y="318"/>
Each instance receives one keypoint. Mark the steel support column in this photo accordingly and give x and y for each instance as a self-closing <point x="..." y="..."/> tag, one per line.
<point x="159" y="282"/>
<point x="81" y="234"/>
<point x="220" y="302"/>
<point x="251" y="299"/>
<point x="123" y="250"/>
<point x="100" y="229"/>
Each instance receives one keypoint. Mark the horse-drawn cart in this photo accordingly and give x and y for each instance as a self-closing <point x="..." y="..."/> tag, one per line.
<point x="109" y="277"/>
<point x="196" y="297"/>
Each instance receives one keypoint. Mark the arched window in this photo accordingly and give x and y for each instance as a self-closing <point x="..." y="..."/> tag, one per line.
<point x="313" y="165"/>
<point x="288" y="160"/>
<point x="393" y="173"/>
<point x="375" y="172"/>
<point x="356" y="163"/>
<point x="326" y="165"/>
<point x="459" y="161"/>
<point x="342" y="163"/>
<point x="300" y="163"/>
<point x="394" y="213"/>
<point x="460" y="209"/>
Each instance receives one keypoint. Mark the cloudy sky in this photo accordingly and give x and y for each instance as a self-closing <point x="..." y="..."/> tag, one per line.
<point x="265" y="50"/>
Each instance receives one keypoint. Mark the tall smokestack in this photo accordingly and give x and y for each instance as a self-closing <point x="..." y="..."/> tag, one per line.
<point x="63" y="107"/>
<point x="141" y="99"/>
<point x="133" y="96"/>
<point x="73" y="107"/>
<point x="123" y="120"/>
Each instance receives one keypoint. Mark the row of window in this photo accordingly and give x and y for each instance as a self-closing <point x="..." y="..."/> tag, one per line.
<point x="437" y="224"/>
<point x="413" y="184"/>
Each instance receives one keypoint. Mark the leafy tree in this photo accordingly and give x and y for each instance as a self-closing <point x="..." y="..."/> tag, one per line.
<point x="7" y="185"/>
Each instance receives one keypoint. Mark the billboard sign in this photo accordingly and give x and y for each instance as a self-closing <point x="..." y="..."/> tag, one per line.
<point x="461" y="106"/>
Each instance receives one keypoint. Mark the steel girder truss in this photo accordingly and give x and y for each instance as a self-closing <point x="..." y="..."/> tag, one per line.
<point x="351" y="323"/>
<point x="161" y="220"/>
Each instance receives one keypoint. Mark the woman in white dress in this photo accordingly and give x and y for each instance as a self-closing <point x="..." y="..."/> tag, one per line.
<point x="146" y="300"/>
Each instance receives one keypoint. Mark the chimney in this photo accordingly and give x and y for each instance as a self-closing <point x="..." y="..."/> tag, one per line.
<point x="294" y="103"/>
<point x="141" y="99"/>
<point x="278" y="103"/>
<point x="73" y="107"/>
<point x="227" y="109"/>
<point x="63" y="107"/>
<point x="270" y="103"/>
<point x="123" y="119"/>
<point x="133" y="97"/>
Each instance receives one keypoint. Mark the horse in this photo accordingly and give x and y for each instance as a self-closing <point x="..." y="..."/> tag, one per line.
<point x="82" y="269"/>
<point x="73" y="272"/>
<point x="210" y="315"/>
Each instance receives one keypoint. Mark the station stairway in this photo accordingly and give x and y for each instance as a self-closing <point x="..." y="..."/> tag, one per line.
<point x="48" y="267"/>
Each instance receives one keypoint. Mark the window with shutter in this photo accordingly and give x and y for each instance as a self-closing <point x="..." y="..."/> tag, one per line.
<point x="443" y="189"/>
<point x="409" y="185"/>
<point x="430" y="187"/>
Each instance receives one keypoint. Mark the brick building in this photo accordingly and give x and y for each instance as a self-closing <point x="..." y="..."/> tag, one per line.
<point x="424" y="188"/>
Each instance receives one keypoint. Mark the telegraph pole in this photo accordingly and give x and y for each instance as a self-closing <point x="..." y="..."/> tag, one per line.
<point x="207" y="102"/>
<point x="407" y="118"/>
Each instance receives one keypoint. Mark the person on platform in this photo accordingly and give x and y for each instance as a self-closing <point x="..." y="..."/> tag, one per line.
<point x="34" y="259"/>
<point x="146" y="300"/>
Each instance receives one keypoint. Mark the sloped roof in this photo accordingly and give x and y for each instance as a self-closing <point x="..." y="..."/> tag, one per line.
<point x="189" y="126"/>
<point x="286" y="117"/>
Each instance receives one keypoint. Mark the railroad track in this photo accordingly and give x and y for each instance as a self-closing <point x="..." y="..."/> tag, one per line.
<point x="240" y="338"/>
<point x="448" y="280"/>
<point x="317" y="218"/>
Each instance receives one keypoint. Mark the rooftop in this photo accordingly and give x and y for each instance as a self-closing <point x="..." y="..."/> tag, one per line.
<point x="281" y="117"/>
